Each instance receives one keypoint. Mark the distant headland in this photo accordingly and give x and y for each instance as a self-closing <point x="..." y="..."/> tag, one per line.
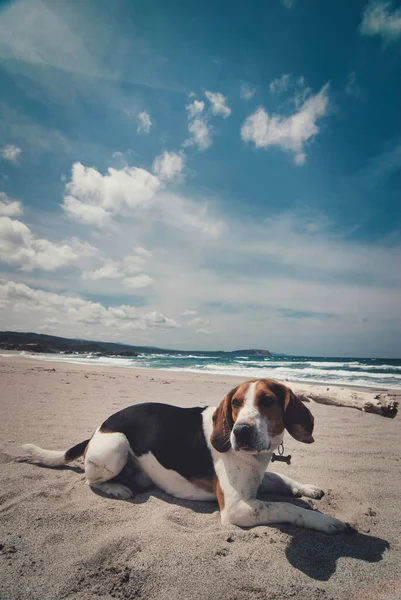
<point x="48" y="344"/>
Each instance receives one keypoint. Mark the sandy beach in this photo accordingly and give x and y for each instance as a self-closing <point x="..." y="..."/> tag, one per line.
<point x="58" y="539"/>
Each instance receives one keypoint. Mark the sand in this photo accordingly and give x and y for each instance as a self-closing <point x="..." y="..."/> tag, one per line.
<point x="58" y="539"/>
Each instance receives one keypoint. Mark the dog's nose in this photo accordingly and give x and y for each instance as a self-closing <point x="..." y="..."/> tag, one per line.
<point x="243" y="433"/>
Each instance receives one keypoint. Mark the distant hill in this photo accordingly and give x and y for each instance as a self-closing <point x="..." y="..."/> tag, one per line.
<point x="40" y="342"/>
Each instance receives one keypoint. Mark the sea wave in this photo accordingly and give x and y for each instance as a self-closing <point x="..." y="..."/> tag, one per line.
<point x="336" y="373"/>
<point x="301" y="369"/>
<point x="355" y="365"/>
<point x="178" y="356"/>
<point x="291" y="376"/>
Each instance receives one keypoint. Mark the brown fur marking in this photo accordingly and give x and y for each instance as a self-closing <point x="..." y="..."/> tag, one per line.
<point x="269" y="405"/>
<point x="209" y="485"/>
<point x="220" y="495"/>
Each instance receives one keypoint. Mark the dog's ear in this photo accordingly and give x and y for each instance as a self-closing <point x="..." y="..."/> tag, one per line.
<point x="298" y="420"/>
<point x="222" y="424"/>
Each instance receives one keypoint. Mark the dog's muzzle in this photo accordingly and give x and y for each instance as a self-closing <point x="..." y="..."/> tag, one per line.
<point x="247" y="438"/>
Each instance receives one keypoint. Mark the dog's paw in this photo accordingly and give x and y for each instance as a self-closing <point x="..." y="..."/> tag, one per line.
<point x="309" y="491"/>
<point x="114" y="490"/>
<point x="330" y="525"/>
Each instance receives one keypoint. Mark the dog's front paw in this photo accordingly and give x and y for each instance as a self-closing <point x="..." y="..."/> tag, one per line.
<point x="309" y="491"/>
<point x="330" y="525"/>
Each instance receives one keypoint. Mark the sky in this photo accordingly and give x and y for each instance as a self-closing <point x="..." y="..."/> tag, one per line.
<point x="207" y="175"/>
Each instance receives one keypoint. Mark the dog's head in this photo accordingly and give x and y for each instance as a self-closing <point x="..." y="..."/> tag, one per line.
<point x="254" y="415"/>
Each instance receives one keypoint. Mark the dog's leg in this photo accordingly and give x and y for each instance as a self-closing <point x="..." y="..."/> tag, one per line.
<point x="105" y="458"/>
<point x="249" y="513"/>
<point x="275" y="483"/>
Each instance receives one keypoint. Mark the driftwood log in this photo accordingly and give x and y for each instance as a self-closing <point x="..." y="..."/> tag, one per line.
<point x="383" y="403"/>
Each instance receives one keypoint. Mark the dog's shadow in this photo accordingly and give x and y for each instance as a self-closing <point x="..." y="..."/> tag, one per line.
<point x="27" y="460"/>
<point x="316" y="554"/>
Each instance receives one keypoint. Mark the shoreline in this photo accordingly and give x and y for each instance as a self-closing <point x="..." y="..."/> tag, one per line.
<point x="305" y="384"/>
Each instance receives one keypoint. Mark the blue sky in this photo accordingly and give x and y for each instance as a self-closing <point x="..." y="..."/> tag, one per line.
<point x="203" y="175"/>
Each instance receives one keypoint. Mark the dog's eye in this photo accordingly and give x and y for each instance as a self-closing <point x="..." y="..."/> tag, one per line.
<point x="267" y="401"/>
<point x="236" y="404"/>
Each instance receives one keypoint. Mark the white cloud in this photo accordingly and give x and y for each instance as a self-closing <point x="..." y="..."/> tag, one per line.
<point x="190" y="216"/>
<point x="168" y="165"/>
<point x="201" y="325"/>
<point x="85" y="213"/>
<point x="11" y="153"/>
<point x="157" y="318"/>
<point x="288" y="82"/>
<point x="218" y="102"/>
<point x="133" y="264"/>
<point x="196" y="321"/>
<point x="280" y="84"/>
<point x="123" y="312"/>
<point x="110" y="270"/>
<point x="143" y="252"/>
<point x="93" y="198"/>
<point x="30" y="32"/>
<point x="27" y="308"/>
<point x="198" y="126"/>
<point x="139" y="197"/>
<point x="21" y="248"/>
<point x="8" y="207"/>
<point x="130" y="186"/>
<point x="138" y="281"/>
<point x="144" y="122"/>
<point x="83" y="249"/>
<point x="300" y="158"/>
<point x="288" y="133"/>
<point x="247" y="92"/>
<point x="121" y="269"/>
<point x="195" y="108"/>
<point x="200" y="132"/>
<point x="379" y="19"/>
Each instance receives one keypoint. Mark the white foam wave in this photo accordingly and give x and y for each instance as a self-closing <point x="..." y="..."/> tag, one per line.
<point x="177" y="356"/>
<point x="271" y="363"/>
<point x="290" y="377"/>
<point x="328" y="365"/>
<point x="333" y="374"/>
<point x="283" y="371"/>
<point x="84" y="359"/>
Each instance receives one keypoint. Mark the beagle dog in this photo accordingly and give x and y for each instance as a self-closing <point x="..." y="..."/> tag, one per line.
<point x="204" y="453"/>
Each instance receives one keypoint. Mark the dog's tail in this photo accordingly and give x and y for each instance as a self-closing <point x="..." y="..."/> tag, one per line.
<point x="53" y="458"/>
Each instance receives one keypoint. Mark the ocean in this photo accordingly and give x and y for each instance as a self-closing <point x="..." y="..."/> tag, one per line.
<point x="341" y="371"/>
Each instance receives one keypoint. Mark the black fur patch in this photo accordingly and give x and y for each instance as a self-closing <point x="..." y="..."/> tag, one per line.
<point x="173" y="435"/>
<point x="76" y="451"/>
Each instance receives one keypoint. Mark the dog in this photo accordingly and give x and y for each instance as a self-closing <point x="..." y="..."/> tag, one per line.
<point x="206" y="453"/>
